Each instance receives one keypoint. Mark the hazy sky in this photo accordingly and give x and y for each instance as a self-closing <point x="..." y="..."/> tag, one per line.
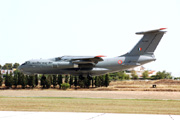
<point x="32" y="29"/>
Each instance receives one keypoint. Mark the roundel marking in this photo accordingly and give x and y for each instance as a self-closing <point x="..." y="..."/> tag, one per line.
<point x="119" y="61"/>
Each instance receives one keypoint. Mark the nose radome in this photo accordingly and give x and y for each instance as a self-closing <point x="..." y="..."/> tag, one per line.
<point x="20" y="68"/>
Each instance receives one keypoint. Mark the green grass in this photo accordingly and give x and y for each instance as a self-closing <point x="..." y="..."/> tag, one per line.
<point x="100" y="105"/>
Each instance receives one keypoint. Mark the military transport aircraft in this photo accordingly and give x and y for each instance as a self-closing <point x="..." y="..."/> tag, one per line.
<point x="82" y="66"/>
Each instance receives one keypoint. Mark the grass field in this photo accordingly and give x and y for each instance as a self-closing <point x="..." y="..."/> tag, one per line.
<point x="56" y="104"/>
<point x="135" y="97"/>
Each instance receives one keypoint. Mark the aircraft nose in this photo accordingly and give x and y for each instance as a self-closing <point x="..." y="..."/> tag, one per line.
<point x="20" y="68"/>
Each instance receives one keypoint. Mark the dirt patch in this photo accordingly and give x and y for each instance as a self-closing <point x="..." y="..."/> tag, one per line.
<point x="93" y="94"/>
<point x="146" y="82"/>
<point x="144" y="85"/>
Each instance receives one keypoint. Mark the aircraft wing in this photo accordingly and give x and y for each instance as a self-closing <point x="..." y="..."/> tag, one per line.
<point x="83" y="59"/>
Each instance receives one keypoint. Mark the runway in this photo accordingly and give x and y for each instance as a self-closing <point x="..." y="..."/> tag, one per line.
<point x="18" y="115"/>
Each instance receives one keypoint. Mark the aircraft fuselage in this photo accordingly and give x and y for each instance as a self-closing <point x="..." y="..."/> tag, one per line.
<point x="108" y="65"/>
<point x="142" y="52"/>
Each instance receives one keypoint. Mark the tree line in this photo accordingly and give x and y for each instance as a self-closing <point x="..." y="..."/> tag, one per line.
<point x="68" y="81"/>
<point x="161" y="75"/>
<point x="19" y="80"/>
<point x="122" y="75"/>
<point x="12" y="80"/>
<point x="9" y="66"/>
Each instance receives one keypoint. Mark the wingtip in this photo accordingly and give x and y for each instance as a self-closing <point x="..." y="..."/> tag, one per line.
<point x="162" y="28"/>
<point x="100" y="56"/>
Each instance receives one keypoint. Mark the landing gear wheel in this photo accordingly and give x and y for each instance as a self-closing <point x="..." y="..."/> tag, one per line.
<point x="81" y="77"/>
<point x="89" y="77"/>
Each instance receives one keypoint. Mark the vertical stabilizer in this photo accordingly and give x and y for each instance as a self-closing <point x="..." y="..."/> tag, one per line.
<point x="148" y="43"/>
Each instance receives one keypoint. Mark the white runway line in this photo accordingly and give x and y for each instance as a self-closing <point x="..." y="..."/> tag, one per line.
<point x="16" y="115"/>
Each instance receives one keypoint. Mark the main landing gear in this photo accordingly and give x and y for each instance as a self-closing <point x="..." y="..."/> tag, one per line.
<point x="89" y="77"/>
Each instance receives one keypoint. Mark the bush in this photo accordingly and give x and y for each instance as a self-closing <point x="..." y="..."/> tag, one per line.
<point x="65" y="86"/>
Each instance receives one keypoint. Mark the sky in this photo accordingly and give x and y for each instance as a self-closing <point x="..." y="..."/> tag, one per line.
<point x="33" y="29"/>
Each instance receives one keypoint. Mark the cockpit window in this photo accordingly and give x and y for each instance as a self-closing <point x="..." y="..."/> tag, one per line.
<point x="26" y="63"/>
<point x="57" y="59"/>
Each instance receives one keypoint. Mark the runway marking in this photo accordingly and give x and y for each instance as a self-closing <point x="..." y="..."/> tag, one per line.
<point x="96" y="116"/>
<point x="20" y="115"/>
<point x="171" y="117"/>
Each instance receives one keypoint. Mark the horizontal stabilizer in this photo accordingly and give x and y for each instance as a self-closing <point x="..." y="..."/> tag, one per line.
<point x="151" y="31"/>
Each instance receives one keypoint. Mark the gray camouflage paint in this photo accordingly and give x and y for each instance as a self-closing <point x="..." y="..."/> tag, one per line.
<point x="142" y="53"/>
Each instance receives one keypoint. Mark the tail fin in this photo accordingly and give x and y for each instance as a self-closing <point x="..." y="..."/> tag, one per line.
<point x="148" y="43"/>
